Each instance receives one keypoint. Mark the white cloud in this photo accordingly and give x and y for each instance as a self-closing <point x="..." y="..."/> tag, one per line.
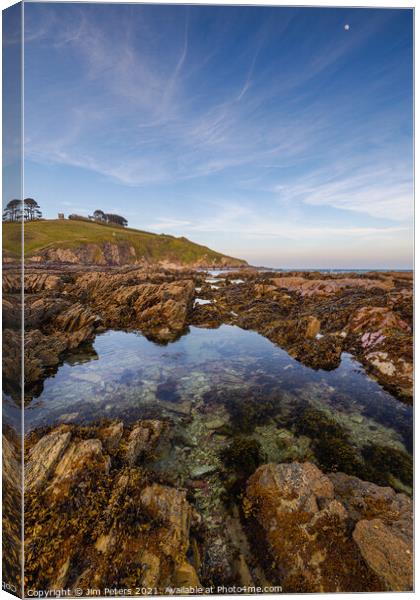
<point x="242" y="221"/>
<point x="384" y="192"/>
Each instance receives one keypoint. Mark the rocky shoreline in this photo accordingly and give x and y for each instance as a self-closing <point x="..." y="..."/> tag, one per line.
<point x="104" y="505"/>
<point x="98" y="514"/>
<point x="314" y="317"/>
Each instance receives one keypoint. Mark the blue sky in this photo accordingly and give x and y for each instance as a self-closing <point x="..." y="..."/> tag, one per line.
<point x="272" y="134"/>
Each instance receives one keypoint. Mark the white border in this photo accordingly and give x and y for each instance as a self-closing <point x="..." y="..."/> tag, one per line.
<point x="321" y="3"/>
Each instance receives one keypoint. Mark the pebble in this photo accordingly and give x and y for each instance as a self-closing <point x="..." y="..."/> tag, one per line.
<point x="201" y="470"/>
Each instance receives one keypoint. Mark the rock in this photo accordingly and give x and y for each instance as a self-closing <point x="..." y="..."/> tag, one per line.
<point x="386" y="343"/>
<point x="11" y="461"/>
<point x="376" y="319"/>
<point x="261" y="290"/>
<point x="298" y="486"/>
<point x="76" y="325"/>
<point x="379" y="360"/>
<point x="68" y="417"/>
<point x="73" y="326"/>
<point x="41" y="351"/>
<point x="306" y="519"/>
<point x="170" y="506"/>
<point x="216" y="423"/>
<point x="105" y="253"/>
<point x="186" y="576"/>
<point x="151" y="566"/>
<point x="40" y="311"/>
<point x="281" y="445"/>
<point x="111" y="436"/>
<point x="81" y="460"/>
<point x="162" y="310"/>
<point x="11" y="503"/>
<point x="366" y="500"/>
<point x="388" y="554"/>
<point x="127" y="300"/>
<point x="115" y="518"/>
<point x="178" y="408"/>
<point x="202" y="471"/>
<point x="35" y="283"/>
<point x="143" y="440"/>
<point x="313" y="327"/>
<point x="44" y="457"/>
<point x="328" y="287"/>
<point x="12" y="282"/>
<point x="324" y="353"/>
<point x="12" y="357"/>
<point x="243" y="571"/>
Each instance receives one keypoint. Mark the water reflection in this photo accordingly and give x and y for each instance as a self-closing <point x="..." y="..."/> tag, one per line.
<point x="127" y="376"/>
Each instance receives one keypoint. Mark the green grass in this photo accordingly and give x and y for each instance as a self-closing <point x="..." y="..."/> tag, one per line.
<point x="40" y="235"/>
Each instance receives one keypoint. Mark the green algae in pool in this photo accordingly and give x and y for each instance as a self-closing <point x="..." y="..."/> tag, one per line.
<point x="228" y="383"/>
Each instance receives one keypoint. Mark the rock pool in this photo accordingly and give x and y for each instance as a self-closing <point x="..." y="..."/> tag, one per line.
<point x="215" y="385"/>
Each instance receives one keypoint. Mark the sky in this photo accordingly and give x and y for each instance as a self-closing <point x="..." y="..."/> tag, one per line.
<point x="278" y="135"/>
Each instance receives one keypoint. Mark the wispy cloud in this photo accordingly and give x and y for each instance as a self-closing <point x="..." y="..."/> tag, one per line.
<point x="235" y="219"/>
<point x="282" y="114"/>
<point x="379" y="190"/>
<point x="145" y="101"/>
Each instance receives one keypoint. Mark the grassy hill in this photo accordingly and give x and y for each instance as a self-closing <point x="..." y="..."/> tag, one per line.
<point x="92" y="242"/>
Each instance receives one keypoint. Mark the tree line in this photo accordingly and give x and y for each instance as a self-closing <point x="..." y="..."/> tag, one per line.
<point x="102" y="217"/>
<point x="16" y="210"/>
<point x="29" y="210"/>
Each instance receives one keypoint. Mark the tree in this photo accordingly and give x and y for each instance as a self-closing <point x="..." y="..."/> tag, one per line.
<point x="32" y="212"/>
<point x="117" y="219"/>
<point x="99" y="215"/>
<point x="13" y="210"/>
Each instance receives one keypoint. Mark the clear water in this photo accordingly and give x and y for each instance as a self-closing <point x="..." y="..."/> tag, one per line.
<point x="128" y="377"/>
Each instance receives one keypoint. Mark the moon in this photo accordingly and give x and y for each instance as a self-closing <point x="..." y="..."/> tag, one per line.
<point x="346" y="26"/>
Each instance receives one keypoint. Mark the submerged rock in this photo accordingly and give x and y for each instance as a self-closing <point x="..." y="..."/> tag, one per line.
<point x="202" y="470"/>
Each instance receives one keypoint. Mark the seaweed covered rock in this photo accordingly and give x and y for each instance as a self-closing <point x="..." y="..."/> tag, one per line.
<point x="383" y="528"/>
<point x="41" y="352"/>
<point x="44" y="456"/>
<point x="314" y="316"/>
<point x="94" y="518"/>
<point x="142" y="440"/>
<point x="61" y="332"/>
<point x="39" y="282"/>
<point x="243" y="455"/>
<point x="170" y="507"/>
<point x="76" y="325"/>
<point x="309" y="522"/>
<point x="160" y="310"/>
<point x="12" y="356"/>
<point x="305" y="286"/>
<point x="379" y="544"/>
<point x="323" y="353"/>
<point x="385" y="339"/>
<point x="12" y="505"/>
